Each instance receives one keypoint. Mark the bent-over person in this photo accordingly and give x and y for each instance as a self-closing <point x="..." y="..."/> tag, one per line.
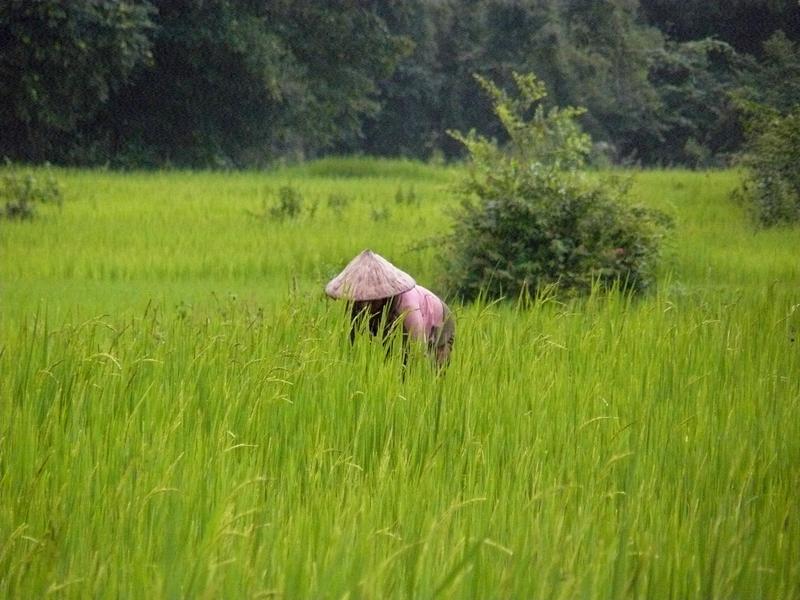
<point x="386" y="296"/>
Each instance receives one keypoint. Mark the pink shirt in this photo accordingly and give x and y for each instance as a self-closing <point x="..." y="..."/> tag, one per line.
<point x="423" y="312"/>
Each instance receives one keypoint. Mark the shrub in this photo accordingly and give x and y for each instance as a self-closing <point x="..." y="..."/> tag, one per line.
<point x="771" y="186"/>
<point x="22" y="192"/>
<point x="530" y="218"/>
<point x="289" y="205"/>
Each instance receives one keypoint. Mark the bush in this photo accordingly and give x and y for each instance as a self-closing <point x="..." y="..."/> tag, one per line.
<point x="289" y="205"/>
<point x="771" y="187"/>
<point x="530" y="218"/>
<point x="22" y="192"/>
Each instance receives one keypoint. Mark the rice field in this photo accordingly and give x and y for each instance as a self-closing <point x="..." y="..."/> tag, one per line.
<point x="182" y="414"/>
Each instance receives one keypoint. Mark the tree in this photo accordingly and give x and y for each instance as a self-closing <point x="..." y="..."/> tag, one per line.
<point x="592" y="53"/>
<point x="696" y="122"/>
<point x="771" y="186"/>
<point x="246" y="82"/>
<point x="61" y="62"/>
<point x="775" y="80"/>
<point x="770" y="108"/>
<point x="409" y="122"/>
<point x="212" y="90"/>
<point x="744" y="24"/>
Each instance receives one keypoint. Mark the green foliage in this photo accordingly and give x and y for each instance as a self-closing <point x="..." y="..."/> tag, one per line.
<point x="730" y="21"/>
<point x="770" y="109"/>
<point x="696" y="122"/>
<point x="279" y="79"/>
<point x="222" y="84"/>
<point x="605" y="65"/>
<point x="22" y="192"/>
<point x="776" y="80"/>
<point x="772" y="183"/>
<point x="530" y="218"/>
<point x="779" y="83"/>
<point x="61" y="62"/>
<point x="289" y="204"/>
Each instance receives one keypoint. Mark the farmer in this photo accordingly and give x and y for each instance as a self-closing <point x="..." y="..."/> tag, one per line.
<point x="385" y="295"/>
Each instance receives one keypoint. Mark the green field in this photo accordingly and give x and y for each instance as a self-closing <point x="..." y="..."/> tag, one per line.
<point x="182" y="415"/>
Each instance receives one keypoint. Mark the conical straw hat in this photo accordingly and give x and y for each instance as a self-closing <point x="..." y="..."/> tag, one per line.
<point x="369" y="276"/>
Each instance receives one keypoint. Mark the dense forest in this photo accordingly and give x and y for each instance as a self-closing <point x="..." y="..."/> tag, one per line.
<point x="236" y="83"/>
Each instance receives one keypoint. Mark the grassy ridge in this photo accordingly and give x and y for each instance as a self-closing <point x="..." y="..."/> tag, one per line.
<point x="210" y="446"/>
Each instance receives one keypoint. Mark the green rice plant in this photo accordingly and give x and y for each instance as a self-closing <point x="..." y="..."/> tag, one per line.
<point x="406" y="197"/>
<point x="338" y="203"/>
<point x="607" y="447"/>
<point x="182" y="413"/>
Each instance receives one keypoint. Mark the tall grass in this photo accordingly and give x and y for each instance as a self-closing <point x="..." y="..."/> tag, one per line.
<point x="203" y="445"/>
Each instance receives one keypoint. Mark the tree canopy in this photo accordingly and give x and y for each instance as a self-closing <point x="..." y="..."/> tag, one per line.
<point x="240" y="83"/>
